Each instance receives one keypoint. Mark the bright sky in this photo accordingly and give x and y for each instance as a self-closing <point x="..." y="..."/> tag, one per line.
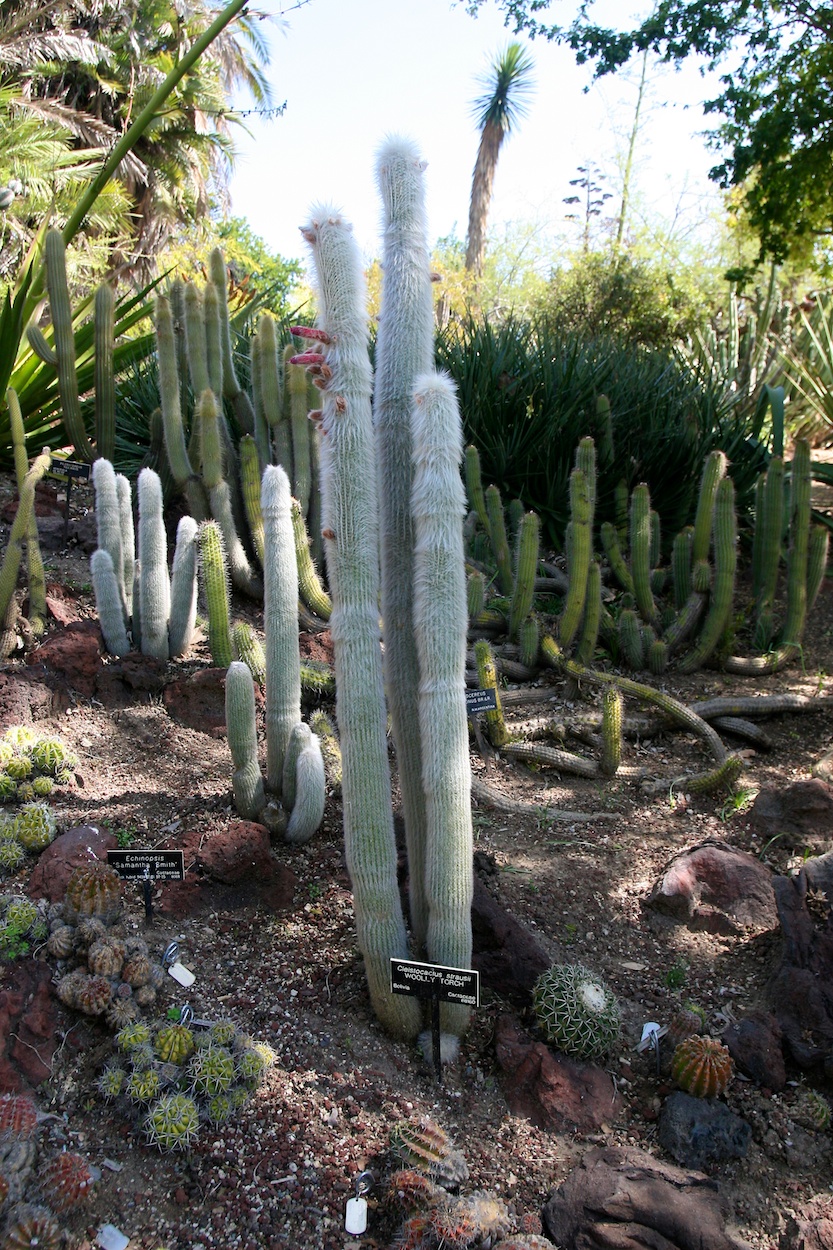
<point x="354" y="71"/>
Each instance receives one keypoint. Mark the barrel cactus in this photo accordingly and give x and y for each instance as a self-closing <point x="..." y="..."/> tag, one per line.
<point x="94" y="890"/>
<point x="172" y="1122"/>
<point x="65" y="1181"/>
<point x="576" y="1010"/>
<point x="702" y="1066"/>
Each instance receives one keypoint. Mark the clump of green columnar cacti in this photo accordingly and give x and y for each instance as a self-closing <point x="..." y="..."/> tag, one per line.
<point x="176" y="445"/>
<point x="529" y="639"/>
<point x="615" y="557"/>
<point x="309" y="583"/>
<point x="769" y="528"/>
<point x="350" y="527"/>
<point x="280" y="621"/>
<point x="440" y="625"/>
<point x="500" y="540"/>
<point x="640" y="552"/>
<point x="496" y="730"/>
<point x="325" y="731"/>
<point x="61" y="313"/>
<point x="155" y="582"/>
<point x="589" y="636"/>
<point x="250" y="471"/>
<point x="105" y="386"/>
<point x="681" y="566"/>
<point x="231" y="388"/>
<point x="247" y="783"/>
<point x="14" y="550"/>
<point x="310" y="789"/>
<point x="725" y="563"/>
<point x="800" y="484"/>
<point x="611" y="732"/>
<point x="526" y="566"/>
<point x="404" y="351"/>
<point x="172" y="1122"/>
<point x="576" y="1010"/>
<point x="35" y="576"/>
<point x="212" y="449"/>
<point x="579" y="549"/>
<point x="215" y="588"/>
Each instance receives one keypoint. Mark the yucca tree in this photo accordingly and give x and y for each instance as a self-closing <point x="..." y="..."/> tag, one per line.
<point x="507" y="89"/>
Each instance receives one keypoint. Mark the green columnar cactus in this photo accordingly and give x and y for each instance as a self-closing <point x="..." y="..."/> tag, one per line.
<point x="656" y="656"/>
<point x="500" y="540"/>
<point x="800" y="484"/>
<point x="212" y="445"/>
<point x="589" y="636"/>
<point x="725" y="564"/>
<point x="250" y="473"/>
<point x="297" y="408"/>
<point x="440" y="625"/>
<point x="621" y="501"/>
<point x="526" y="566"/>
<point x="267" y="387"/>
<point x="817" y="555"/>
<point x="630" y="639"/>
<point x="769" y="527"/>
<point x="516" y="515"/>
<point x="213" y="338"/>
<point x="105" y="384"/>
<point x="248" y="648"/>
<point x="681" y="566"/>
<point x="183" y="611"/>
<point x="310" y="793"/>
<point x="640" y="548"/>
<point x="309" y="583"/>
<point x="215" y="588"/>
<point x="196" y="351"/>
<point x="612" y="705"/>
<point x="324" y="729"/>
<point x="36" y="578"/>
<point x="529" y="639"/>
<point x="350" y="511"/>
<point x="231" y="388"/>
<point x="109" y="603"/>
<point x="476" y="594"/>
<point x="586" y="461"/>
<point x="404" y="350"/>
<point x="604" y="422"/>
<point x="280" y="618"/>
<point x="61" y="312"/>
<point x="616" y="560"/>
<point x="496" y="730"/>
<point x="578" y="556"/>
<point x="474" y="486"/>
<point x="167" y="352"/>
<point x="154" y="584"/>
<point x="246" y="782"/>
<point x="713" y="471"/>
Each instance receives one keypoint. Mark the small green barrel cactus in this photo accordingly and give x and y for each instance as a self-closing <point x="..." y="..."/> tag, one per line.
<point x="576" y="1010"/>
<point x="174" y="1043"/>
<point x="36" y="827"/>
<point x="172" y="1122"/>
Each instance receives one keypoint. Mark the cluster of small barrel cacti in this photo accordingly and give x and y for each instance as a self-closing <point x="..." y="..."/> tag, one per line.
<point x="576" y="1010"/>
<point x="33" y="1185"/>
<point x="31" y="765"/>
<point x="171" y="1077"/>
<point x="102" y="971"/>
<point x="23" y="925"/>
<point x="422" y="1192"/>
<point x="702" y="1066"/>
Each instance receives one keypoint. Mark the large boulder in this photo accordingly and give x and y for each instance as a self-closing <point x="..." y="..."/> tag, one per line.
<point x="715" y="888"/>
<point x="799" y="815"/>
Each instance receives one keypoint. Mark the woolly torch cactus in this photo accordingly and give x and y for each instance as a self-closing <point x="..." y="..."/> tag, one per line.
<point x="247" y="782"/>
<point x="438" y="504"/>
<point x="280" y="621"/>
<point x="155" y="584"/>
<point x="404" y="349"/>
<point x="341" y="369"/>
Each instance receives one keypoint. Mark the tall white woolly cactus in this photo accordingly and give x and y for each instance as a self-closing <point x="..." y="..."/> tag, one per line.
<point x="350" y="529"/>
<point x="280" y="622"/>
<point x="155" y="583"/>
<point x="109" y="519"/>
<point x="404" y="349"/>
<point x="440" y="622"/>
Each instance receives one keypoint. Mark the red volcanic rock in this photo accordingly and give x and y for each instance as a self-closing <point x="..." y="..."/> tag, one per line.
<point x="73" y="656"/>
<point x="241" y="852"/>
<point x="69" y="851"/>
<point x="802" y="814"/>
<point x="554" y="1092"/>
<point x="28" y="1025"/>
<point x="715" y="888"/>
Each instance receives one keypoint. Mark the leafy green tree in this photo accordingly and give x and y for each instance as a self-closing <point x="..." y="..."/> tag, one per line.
<point x="497" y="112"/>
<point x="775" y="136"/>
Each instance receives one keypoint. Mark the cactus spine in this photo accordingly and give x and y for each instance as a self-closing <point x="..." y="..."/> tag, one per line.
<point x="440" y="623"/>
<point x="350" y="511"/>
<point x="404" y="350"/>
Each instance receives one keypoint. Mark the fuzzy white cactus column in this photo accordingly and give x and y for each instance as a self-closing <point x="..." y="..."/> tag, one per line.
<point x="404" y="349"/>
<point x="155" y="583"/>
<point x="351" y="533"/>
<point x="438" y="504"/>
<point x="280" y="622"/>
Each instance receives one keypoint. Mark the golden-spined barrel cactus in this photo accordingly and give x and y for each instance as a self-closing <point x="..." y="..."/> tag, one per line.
<point x="93" y="890"/>
<point x="423" y="1146"/>
<point x="702" y="1066"/>
<point x="174" y="1044"/>
<point x="576" y="1010"/>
